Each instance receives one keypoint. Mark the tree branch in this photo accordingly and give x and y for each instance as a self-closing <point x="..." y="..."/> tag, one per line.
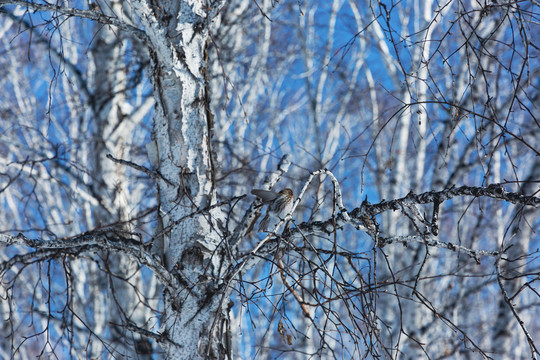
<point x="112" y="240"/>
<point x="367" y="211"/>
<point x="88" y="14"/>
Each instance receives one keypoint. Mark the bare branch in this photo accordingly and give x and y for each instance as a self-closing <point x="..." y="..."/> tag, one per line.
<point x="88" y="14"/>
<point x="102" y="240"/>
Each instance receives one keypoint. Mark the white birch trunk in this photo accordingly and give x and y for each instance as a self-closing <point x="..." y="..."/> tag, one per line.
<point x="114" y="131"/>
<point x="181" y="153"/>
<point x="506" y="328"/>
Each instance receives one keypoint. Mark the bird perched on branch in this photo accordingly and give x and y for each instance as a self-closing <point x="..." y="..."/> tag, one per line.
<point x="279" y="204"/>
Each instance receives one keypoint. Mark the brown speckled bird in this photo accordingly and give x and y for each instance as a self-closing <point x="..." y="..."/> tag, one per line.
<point x="279" y="204"/>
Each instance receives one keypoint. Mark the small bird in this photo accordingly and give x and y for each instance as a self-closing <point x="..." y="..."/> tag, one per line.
<point x="279" y="204"/>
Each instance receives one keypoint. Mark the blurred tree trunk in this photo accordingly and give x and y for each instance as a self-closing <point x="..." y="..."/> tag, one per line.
<point x="112" y="123"/>
<point x="505" y="329"/>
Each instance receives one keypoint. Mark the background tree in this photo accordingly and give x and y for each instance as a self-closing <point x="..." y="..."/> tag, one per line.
<point x="133" y="130"/>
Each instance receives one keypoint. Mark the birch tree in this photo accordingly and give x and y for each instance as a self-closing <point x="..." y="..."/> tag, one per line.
<point x="132" y="132"/>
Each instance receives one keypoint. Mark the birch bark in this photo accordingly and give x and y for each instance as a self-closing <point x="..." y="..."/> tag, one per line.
<point x="180" y="150"/>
